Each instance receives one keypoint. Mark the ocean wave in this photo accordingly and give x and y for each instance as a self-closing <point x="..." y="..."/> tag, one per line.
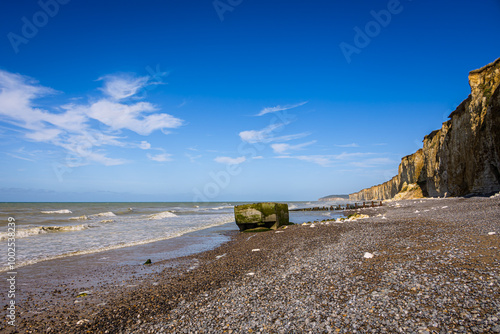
<point x="222" y="207"/>
<point x="57" y="211"/>
<point x="28" y="232"/>
<point x="292" y="206"/>
<point x="103" y="214"/>
<point x="79" y="218"/>
<point x="161" y="215"/>
<point x="175" y="234"/>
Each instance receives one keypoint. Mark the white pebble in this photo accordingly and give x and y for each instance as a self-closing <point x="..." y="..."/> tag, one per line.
<point x="256" y="250"/>
<point x="250" y="274"/>
<point x="368" y="255"/>
<point x="492" y="233"/>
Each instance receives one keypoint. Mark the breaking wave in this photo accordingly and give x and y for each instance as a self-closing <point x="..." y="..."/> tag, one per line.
<point x="102" y="214"/>
<point x="28" y="232"/>
<point x="57" y="211"/>
<point x="222" y="207"/>
<point x="161" y="215"/>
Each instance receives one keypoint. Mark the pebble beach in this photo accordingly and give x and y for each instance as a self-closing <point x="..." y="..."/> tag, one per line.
<point x="413" y="266"/>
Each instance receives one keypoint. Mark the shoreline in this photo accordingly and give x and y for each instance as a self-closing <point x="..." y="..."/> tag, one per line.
<point x="307" y="278"/>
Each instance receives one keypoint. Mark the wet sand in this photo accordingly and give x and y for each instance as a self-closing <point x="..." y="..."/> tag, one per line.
<point x="431" y="265"/>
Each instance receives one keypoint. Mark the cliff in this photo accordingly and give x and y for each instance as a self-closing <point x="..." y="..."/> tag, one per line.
<point x="461" y="158"/>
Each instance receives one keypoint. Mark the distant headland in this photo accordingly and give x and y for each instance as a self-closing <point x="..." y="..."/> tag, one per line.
<point x="334" y="198"/>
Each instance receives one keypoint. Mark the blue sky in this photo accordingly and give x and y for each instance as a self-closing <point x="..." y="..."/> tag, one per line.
<point x="226" y="100"/>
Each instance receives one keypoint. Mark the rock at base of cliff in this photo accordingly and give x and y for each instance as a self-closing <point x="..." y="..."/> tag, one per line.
<point x="261" y="215"/>
<point x="411" y="191"/>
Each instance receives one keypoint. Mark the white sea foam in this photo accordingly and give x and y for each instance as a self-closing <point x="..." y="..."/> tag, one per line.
<point x="161" y="215"/>
<point x="28" y="232"/>
<point x="57" y="211"/>
<point x="79" y="218"/>
<point x="222" y="207"/>
<point x="103" y="214"/>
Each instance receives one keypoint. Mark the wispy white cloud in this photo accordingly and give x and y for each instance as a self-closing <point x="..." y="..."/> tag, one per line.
<point x="144" y="145"/>
<point x="68" y="125"/>
<point x="103" y="159"/>
<point x="19" y="157"/>
<point x="266" y="135"/>
<point x="357" y="159"/>
<point x="258" y="157"/>
<point x="373" y="162"/>
<point x="283" y="148"/>
<point x="119" y="87"/>
<point x="348" y="145"/>
<point x="322" y="160"/>
<point x="279" y="108"/>
<point x="162" y="157"/>
<point x="120" y="116"/>
<point x="193" y="158"/>
<point x="230" y="161"/>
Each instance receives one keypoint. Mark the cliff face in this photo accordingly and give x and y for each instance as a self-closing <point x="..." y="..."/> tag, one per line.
<point x="461" y="158"/>
<point x="409" y="172"/>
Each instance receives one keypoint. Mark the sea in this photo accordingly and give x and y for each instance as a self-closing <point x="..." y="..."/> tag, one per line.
<point x="47" y="231"/>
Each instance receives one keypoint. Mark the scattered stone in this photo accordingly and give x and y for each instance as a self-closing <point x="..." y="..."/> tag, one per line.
<point x="435" y="272"/>
<point x="83" y="294"/>
<point x="368" y="255"/>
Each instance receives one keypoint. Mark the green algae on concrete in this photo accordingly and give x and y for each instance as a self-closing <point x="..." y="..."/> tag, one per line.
<point x="268" y="215"/>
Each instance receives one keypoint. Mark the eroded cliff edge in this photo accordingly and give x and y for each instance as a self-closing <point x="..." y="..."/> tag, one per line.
<point x="461" y="158"/>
